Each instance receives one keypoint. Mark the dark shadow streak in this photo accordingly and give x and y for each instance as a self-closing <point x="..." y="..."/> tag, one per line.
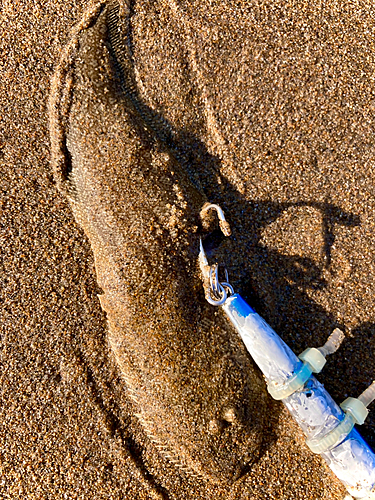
<point x="114" y="426"/>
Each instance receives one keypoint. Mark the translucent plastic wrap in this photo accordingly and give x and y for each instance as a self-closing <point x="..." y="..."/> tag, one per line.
<point x="328" y="429"/>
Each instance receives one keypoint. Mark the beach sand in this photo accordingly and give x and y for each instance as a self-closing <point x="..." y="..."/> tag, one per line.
<point x="277" y="99"/>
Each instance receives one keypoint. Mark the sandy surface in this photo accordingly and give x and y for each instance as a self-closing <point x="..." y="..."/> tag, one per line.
<point x="273" y="103"/>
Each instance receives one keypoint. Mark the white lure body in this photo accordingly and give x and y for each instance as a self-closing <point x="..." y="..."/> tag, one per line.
<point x="349" y="457"/>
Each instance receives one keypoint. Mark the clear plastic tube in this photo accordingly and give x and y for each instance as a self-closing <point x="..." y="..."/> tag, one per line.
<point x="368" y="395"/>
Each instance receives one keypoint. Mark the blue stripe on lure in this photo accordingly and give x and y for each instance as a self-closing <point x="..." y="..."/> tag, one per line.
<point x="329" y="428"/>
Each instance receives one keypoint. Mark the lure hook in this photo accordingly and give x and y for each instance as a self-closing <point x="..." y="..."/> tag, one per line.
<point x="224" y="225"/>
<point x="216" y="291"/>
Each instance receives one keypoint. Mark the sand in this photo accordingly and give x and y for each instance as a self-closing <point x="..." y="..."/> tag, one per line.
<point x="274" y="101"/>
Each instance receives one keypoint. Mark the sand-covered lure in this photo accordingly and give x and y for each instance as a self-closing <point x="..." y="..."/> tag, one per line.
<point x="329" y="428"/>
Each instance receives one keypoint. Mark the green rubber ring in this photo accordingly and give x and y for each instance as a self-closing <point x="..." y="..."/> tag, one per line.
<point x="292" y="384"/>
<point x="332" y="438"/>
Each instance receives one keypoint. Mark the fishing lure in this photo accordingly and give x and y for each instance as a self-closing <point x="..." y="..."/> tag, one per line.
<point x="329" y="428"/>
